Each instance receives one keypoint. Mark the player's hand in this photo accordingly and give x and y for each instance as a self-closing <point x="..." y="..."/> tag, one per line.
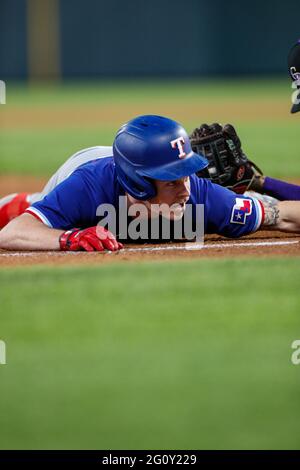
<point x="89" y="239"/>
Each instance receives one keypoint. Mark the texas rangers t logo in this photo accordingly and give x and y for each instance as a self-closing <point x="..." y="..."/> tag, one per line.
<point x="178" y="143"/>
<point x="241" y="210"/>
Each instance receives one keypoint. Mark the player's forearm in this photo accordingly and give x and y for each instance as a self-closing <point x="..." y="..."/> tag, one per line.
<point x="289" y="216"/>
<point x="27" y="233"/>
<point x="283" y="216"/>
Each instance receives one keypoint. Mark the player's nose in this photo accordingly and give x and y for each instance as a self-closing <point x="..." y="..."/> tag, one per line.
<point x="183" y="189"/>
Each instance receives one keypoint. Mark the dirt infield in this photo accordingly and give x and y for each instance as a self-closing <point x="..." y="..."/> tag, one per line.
<point x="109" y="114"/>
<point x="20" y="184"/>
<point x="260" y="244"/>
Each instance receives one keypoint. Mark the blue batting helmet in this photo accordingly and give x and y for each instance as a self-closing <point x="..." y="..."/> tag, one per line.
<point x="153" y="147"/>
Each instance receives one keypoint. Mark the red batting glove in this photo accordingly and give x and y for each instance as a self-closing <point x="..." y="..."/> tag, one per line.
<point x="90" y="239"/>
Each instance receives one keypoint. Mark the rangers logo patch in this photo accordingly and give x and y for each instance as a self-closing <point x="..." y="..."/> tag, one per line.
<point x="179" y="143"/>
<point x="241" y="210"/>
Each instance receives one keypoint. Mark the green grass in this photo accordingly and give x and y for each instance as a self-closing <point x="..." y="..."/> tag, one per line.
<point x="42" y="152"/>
<point x="181" y="355"/>
<point x="274" y="147"/>
<point x="272" y="143"/>
<point x="115" y="91"/>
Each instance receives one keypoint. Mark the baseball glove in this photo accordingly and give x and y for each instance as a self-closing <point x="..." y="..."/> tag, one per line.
<point x="227" y="163"/>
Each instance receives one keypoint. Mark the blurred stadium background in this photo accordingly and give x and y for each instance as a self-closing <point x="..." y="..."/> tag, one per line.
<point x="70" y="67"/>
<point x="191" y="355"/>
<point x="66" y="39"/>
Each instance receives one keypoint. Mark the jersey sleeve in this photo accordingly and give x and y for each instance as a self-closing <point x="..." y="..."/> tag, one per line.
<point x="70" y="204"/>
<point x="230" y="214"/>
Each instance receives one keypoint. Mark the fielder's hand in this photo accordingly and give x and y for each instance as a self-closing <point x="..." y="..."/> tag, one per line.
<point x="227" y="163"/>
<point x="90" y="239"/>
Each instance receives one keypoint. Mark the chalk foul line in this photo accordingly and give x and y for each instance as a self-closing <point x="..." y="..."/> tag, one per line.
<point x="211" y="246"/>
<point x="182" y="247"/>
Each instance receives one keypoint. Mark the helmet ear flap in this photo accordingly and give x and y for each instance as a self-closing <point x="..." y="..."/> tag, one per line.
<point x="140" y="188"/>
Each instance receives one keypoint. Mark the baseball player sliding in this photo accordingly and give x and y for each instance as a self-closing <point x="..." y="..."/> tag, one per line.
<point x="151" y="162"/>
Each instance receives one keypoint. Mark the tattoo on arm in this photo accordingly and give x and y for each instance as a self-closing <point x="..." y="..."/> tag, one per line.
<point x="271" y="213"/>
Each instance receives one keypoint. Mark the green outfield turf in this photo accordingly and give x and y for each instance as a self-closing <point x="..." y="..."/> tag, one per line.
<point x="127" y="91"/>
<point x="163" y="356"/>
<point x="270" y="134"/>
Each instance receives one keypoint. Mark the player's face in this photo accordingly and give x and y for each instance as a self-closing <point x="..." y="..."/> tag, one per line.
<point x="173" y="193"/>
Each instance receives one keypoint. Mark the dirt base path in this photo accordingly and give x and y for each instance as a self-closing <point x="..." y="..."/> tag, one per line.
<point x="261" y="244"/>
<point x="20" y="183"/>
<point x="112" y="114"/>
